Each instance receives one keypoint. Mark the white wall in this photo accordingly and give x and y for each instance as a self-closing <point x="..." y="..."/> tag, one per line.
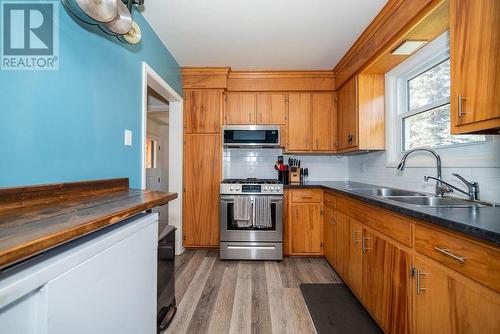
<point x="371" y="168"/>
<point x="243" y="163"/>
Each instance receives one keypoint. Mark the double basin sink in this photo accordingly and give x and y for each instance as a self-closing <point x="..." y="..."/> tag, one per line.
<point x="419" y="199"/>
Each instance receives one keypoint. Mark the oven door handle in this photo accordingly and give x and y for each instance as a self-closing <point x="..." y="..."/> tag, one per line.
<point x="229" y="198"/>
<point x="251" y="247"/>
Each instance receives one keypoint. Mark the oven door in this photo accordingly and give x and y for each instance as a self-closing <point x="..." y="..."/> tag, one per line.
<point x="229" y="230"/>
<point x="251" y="136"/>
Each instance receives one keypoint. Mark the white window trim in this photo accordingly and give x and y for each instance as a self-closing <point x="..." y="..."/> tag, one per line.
<point x="480" y="154"/>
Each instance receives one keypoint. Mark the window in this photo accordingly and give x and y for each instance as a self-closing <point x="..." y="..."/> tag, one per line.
<point x="417" y="97"/>
<point x="424" y="119"/>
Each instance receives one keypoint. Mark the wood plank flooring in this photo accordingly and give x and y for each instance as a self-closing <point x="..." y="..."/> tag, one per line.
<point x="215" y="296"/>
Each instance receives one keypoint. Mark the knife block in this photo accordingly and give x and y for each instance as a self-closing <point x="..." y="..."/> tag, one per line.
<point x="294" y="175"/>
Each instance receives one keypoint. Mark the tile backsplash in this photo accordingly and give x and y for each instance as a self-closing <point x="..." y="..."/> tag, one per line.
<point x="371" y="168"/>
<point x="259" y="163"/>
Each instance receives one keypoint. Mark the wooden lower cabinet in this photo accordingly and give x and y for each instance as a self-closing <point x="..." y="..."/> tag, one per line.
<point x="445" y="302"/>
<point x="201" y="190"/>
<point x="329" y="235"/>
<point x="306" y="225"/>
<point x="342" y="242"/>
<point x="386" y="282"/>
<point x="354" y="256"/>
<point x="405" y="287"/>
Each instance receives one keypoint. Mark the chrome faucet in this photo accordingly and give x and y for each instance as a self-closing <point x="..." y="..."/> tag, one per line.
<point x="441" y="189"/>
<point x="472" y="187"/>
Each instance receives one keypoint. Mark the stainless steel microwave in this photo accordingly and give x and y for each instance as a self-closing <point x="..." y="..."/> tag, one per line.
<point x="251" y="136"/>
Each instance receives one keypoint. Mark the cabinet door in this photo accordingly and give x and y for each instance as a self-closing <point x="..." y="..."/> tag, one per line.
<point x="386" y="283"/>
<point x="329" y="234"/>
<point x="202" y="110"/>
<point x="475" y="65"/>
<point x="240" y="108"/>
<point x="202" y="159"/>
<point x="341" y="245"/>
<point x="323" y="124"/>
<point x="348" y="115"/>
<point x="446" y="304"/>
<point x="306" y="228"/>
<point x="271" y="108"/>
<point x="354" y="257"/>
<point x="299" y="122"/>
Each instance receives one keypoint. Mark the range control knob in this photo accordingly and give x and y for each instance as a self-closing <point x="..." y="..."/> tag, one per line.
<point x="237" y="188"/>
<point x="231" y="188"/>
<point x="265" y="188"/>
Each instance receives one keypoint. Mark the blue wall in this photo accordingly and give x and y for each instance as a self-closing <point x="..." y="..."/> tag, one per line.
<point x="68" y="125"/>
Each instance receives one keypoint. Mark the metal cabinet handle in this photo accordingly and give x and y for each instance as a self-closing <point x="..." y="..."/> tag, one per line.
<point x="419" y="283"/>
<point x="250" y="117"/>
<point x="307" y="197"/>
<point x="446" y="252"/>
<point x="460" y="107"/>
<point x="363" y="244"/>
<point x="349" y="138"/>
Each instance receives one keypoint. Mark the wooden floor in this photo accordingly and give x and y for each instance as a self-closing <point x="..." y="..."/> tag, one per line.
<point x="215" y="296"/>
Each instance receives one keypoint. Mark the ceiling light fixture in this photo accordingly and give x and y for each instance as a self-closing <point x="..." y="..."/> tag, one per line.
<point x="408" y="47"/>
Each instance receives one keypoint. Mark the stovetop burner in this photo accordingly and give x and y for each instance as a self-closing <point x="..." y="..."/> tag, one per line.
<point x="251" y="181"/>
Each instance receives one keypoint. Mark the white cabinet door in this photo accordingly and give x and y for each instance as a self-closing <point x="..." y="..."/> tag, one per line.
<point x="102" y="283"/>
<point x="113" y="292"/>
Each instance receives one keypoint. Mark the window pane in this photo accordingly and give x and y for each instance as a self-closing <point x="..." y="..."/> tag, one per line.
<point x="432" y="128"/>
<point x="430" y="86"/>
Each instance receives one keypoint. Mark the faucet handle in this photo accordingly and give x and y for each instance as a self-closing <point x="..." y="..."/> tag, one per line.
<point x="461" y="178"/>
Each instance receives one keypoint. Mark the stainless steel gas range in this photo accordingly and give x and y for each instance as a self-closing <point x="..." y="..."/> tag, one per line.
<point x="251" y="223"/>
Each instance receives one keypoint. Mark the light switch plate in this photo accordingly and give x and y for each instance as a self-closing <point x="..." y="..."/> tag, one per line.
<point x="128" y="138"/>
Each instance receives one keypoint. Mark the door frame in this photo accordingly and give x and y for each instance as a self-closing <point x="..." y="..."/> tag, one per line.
<point x="175" y="144"/>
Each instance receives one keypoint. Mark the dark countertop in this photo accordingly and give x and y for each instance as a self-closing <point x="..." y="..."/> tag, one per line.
<point x="482" y="223"/>
<point x="36" y="219"/>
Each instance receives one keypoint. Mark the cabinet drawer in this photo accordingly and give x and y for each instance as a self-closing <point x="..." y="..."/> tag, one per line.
<point x="329" y="199"/>
<point x="472" y="259"/>
<point x="306" y="196"/>
<point x="392" y="225"/>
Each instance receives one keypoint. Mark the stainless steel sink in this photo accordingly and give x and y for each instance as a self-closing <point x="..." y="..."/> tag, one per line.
<point x="385" y="192"/>
<point x="439" y="202"/>
<point x="419" y="199"/>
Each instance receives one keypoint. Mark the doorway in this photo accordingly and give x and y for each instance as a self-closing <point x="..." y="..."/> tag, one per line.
<point x="157" y="149"/>
<point x="161" y="146"/>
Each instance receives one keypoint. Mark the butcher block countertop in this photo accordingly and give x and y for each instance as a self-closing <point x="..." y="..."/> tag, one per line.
<point x="34" y="219"/>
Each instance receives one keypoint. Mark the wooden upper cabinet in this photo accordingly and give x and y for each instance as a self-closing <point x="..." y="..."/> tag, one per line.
<point x="271" y="108"/>
<point x="202" y="110"/>
<point x="299" y="122"/>
<point x="202" y="161"/>
<point x="386" y="282"/>
<point x="361" y="113"/>
<point x="324" y="115"/>
<point x="348" y="114"/>
<point x="475" y="66"/>
<point x="447" y="303"/>
<point x="240" y="108"/>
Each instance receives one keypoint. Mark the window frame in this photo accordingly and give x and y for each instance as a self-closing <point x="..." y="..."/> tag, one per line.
<point x="397" y="108"/>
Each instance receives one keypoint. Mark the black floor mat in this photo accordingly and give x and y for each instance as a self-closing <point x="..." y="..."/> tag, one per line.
<point x="335" y="310"/>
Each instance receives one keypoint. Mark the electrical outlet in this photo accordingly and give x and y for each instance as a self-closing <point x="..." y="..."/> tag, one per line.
<point x="128" y="138"/>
